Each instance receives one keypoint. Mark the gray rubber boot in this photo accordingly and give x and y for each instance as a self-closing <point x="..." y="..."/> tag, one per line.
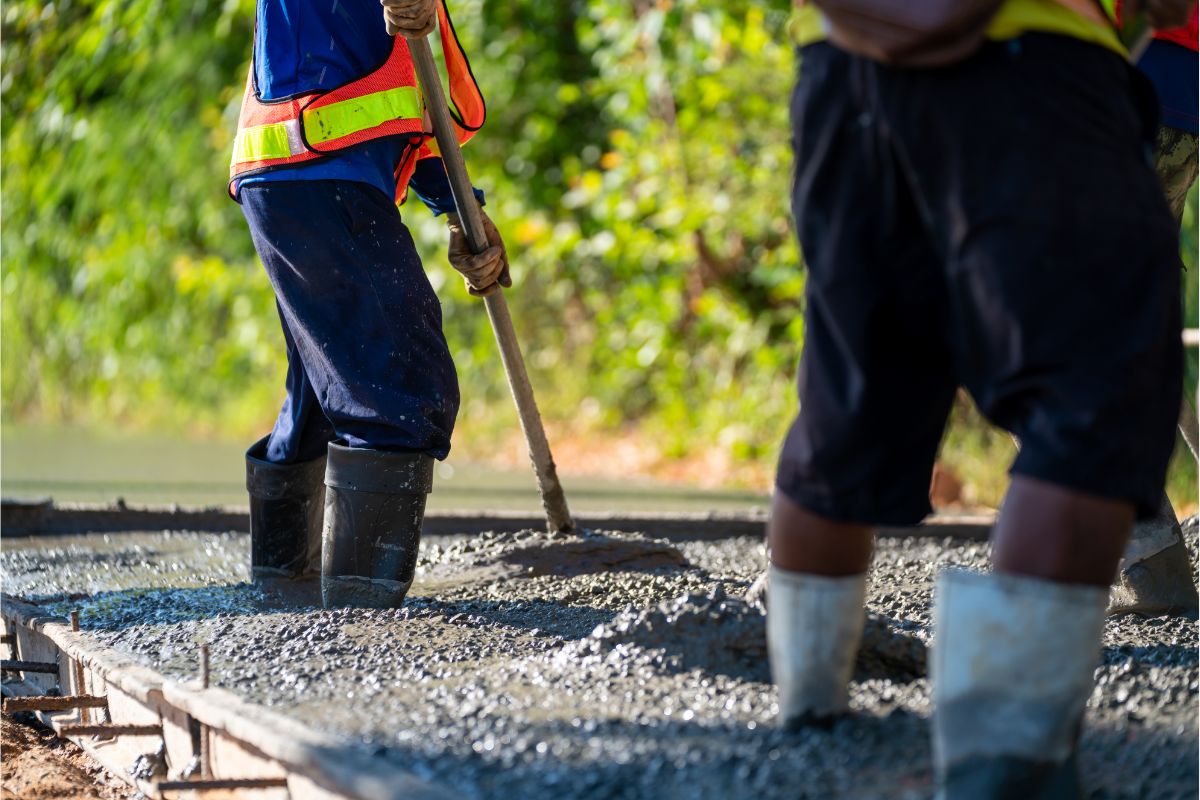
<point x="374" y="506"/>
<point x="286" y="505"/>
<point x="1156" y="575"/>
<point x="814" y="626"/>
<point x="1012" y="669"/>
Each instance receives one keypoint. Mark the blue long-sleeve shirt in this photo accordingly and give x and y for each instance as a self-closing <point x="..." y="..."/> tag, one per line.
<point x="1172" y="68"/>
<point x="317" y="45"/>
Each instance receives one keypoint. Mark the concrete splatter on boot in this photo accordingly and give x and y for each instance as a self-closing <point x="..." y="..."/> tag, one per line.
<point x="756" y="595"/>
<point x="374" y="506"/>
<point x="286" y="506"/>
<point x="814" y="625"/>
<point x="1156" y="574"/>
<point x="1013" y="663"/>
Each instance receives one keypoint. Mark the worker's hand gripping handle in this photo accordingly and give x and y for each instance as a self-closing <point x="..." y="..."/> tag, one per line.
<point x="410" y="18"/>
<point x="558" y="516"/>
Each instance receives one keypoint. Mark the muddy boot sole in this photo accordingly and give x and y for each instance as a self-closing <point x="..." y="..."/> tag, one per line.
<point x="354" y="592"/>
<point x="269" y="579"/>
<point x="1160" y="584"/>
<point x="1005" y="778"/>
<point x="811" y="722"/>
<point x="289" y="591"/>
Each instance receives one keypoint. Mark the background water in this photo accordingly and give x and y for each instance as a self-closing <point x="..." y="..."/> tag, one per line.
<point x="83" y="465"/>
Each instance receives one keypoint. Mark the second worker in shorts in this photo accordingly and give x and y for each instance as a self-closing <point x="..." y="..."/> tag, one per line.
<point x="993" y="223"/>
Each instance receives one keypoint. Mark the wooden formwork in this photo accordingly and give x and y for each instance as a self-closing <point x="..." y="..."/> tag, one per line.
<point x="216" y="742"/>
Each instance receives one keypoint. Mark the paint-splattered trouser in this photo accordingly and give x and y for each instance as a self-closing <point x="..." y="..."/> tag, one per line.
<point x="367" y="361"/>
<point x="1175" y="159"/>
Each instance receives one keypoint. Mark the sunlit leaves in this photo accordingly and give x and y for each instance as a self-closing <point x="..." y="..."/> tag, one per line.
<point x="636" y="157"/>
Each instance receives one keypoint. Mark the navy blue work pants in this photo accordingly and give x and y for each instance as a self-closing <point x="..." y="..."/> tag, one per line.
<point x="367" y="361"/>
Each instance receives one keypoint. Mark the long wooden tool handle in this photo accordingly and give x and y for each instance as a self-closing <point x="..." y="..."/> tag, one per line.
<point x="558" y="517"/>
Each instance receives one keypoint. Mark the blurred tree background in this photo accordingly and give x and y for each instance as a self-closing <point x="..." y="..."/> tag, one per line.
<point x="637" y="158"/>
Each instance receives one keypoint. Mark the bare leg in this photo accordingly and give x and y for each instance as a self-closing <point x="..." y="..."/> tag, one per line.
<point x="1048" y="532"/>
<point x="801" y="541"/>
<point x="1156" y="575"/>
<point x="817" y="591"/>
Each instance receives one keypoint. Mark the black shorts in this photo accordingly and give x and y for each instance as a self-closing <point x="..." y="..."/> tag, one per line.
<point x="995" y="225"/>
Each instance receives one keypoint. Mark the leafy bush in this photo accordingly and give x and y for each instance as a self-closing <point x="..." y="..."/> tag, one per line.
<point x="637" y="157"/>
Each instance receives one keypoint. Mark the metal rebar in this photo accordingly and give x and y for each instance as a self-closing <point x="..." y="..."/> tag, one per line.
<point x="222" y="783"/>
<point x="110" y="730"/>
<point x="558" y="516"/>
<point x="80" y="675"/>
<point x="205" y="754"/>
<point x="28" y="666"/>
<point x="13" y="705"/>
<point x="203" y="666"/>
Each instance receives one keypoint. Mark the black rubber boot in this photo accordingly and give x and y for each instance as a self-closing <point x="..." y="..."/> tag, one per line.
<point x="286" y="505"/>
<point x="374" y="506"/>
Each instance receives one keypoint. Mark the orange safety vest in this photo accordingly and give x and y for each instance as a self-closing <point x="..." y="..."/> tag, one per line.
<point x="385" y="102"/>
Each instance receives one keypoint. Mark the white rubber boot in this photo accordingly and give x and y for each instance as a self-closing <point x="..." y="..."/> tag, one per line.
<point x="1012" y="669"/>
<point x="1156" y="573"/>
<point x="814" y="625"/>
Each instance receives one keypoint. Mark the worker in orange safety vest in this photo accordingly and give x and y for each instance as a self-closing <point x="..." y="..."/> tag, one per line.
<point x="332" y="137"/>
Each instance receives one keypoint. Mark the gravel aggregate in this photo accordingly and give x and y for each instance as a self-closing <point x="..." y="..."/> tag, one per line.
<point x="602" y="665"/>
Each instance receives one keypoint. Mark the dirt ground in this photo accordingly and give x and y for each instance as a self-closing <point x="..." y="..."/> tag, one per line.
<point x="37" y="765"/>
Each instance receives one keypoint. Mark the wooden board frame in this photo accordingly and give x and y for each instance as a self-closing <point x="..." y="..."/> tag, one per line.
<point x="245" y="740"/>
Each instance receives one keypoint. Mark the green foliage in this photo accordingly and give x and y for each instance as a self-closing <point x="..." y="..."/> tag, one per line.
<point x="129" y="288"/>
<point x="649" y="221"/>
<point x="637" y="157"/>
<point x="655" y="281"/>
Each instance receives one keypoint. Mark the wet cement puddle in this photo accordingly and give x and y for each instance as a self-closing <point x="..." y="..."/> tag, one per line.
<point x="597" y="665"/>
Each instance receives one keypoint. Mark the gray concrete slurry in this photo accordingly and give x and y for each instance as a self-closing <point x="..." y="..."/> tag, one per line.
<point x="603" y="665"/>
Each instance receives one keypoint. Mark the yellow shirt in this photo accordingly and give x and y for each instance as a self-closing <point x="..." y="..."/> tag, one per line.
<point x="1014" y="18"/>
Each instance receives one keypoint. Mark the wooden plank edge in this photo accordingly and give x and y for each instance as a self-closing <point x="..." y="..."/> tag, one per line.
<point x="131" y="677"/>
<point x="344" y="768"/>
<point x="49" y="519"/>
<point x="331" y="763"/>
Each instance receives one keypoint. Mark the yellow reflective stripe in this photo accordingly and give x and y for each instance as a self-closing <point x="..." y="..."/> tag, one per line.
<point x="262" y="143"/>
<point x="361" y="113"/>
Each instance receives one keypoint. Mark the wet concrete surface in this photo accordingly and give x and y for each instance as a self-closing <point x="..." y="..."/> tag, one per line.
<point x="603" y="665"/>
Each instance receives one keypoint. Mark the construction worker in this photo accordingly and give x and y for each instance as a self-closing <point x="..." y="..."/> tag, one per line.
<point x="989" y="220"/>
<point x="1156" y="575"/>
<point x="331" y="136"/>
<point x="1171" y="63"/>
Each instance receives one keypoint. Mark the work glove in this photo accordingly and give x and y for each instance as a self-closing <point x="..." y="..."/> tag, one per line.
<point x="412" y="19"/>
<point x="484" y="270"/>
<point x="1162" y="14"/>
